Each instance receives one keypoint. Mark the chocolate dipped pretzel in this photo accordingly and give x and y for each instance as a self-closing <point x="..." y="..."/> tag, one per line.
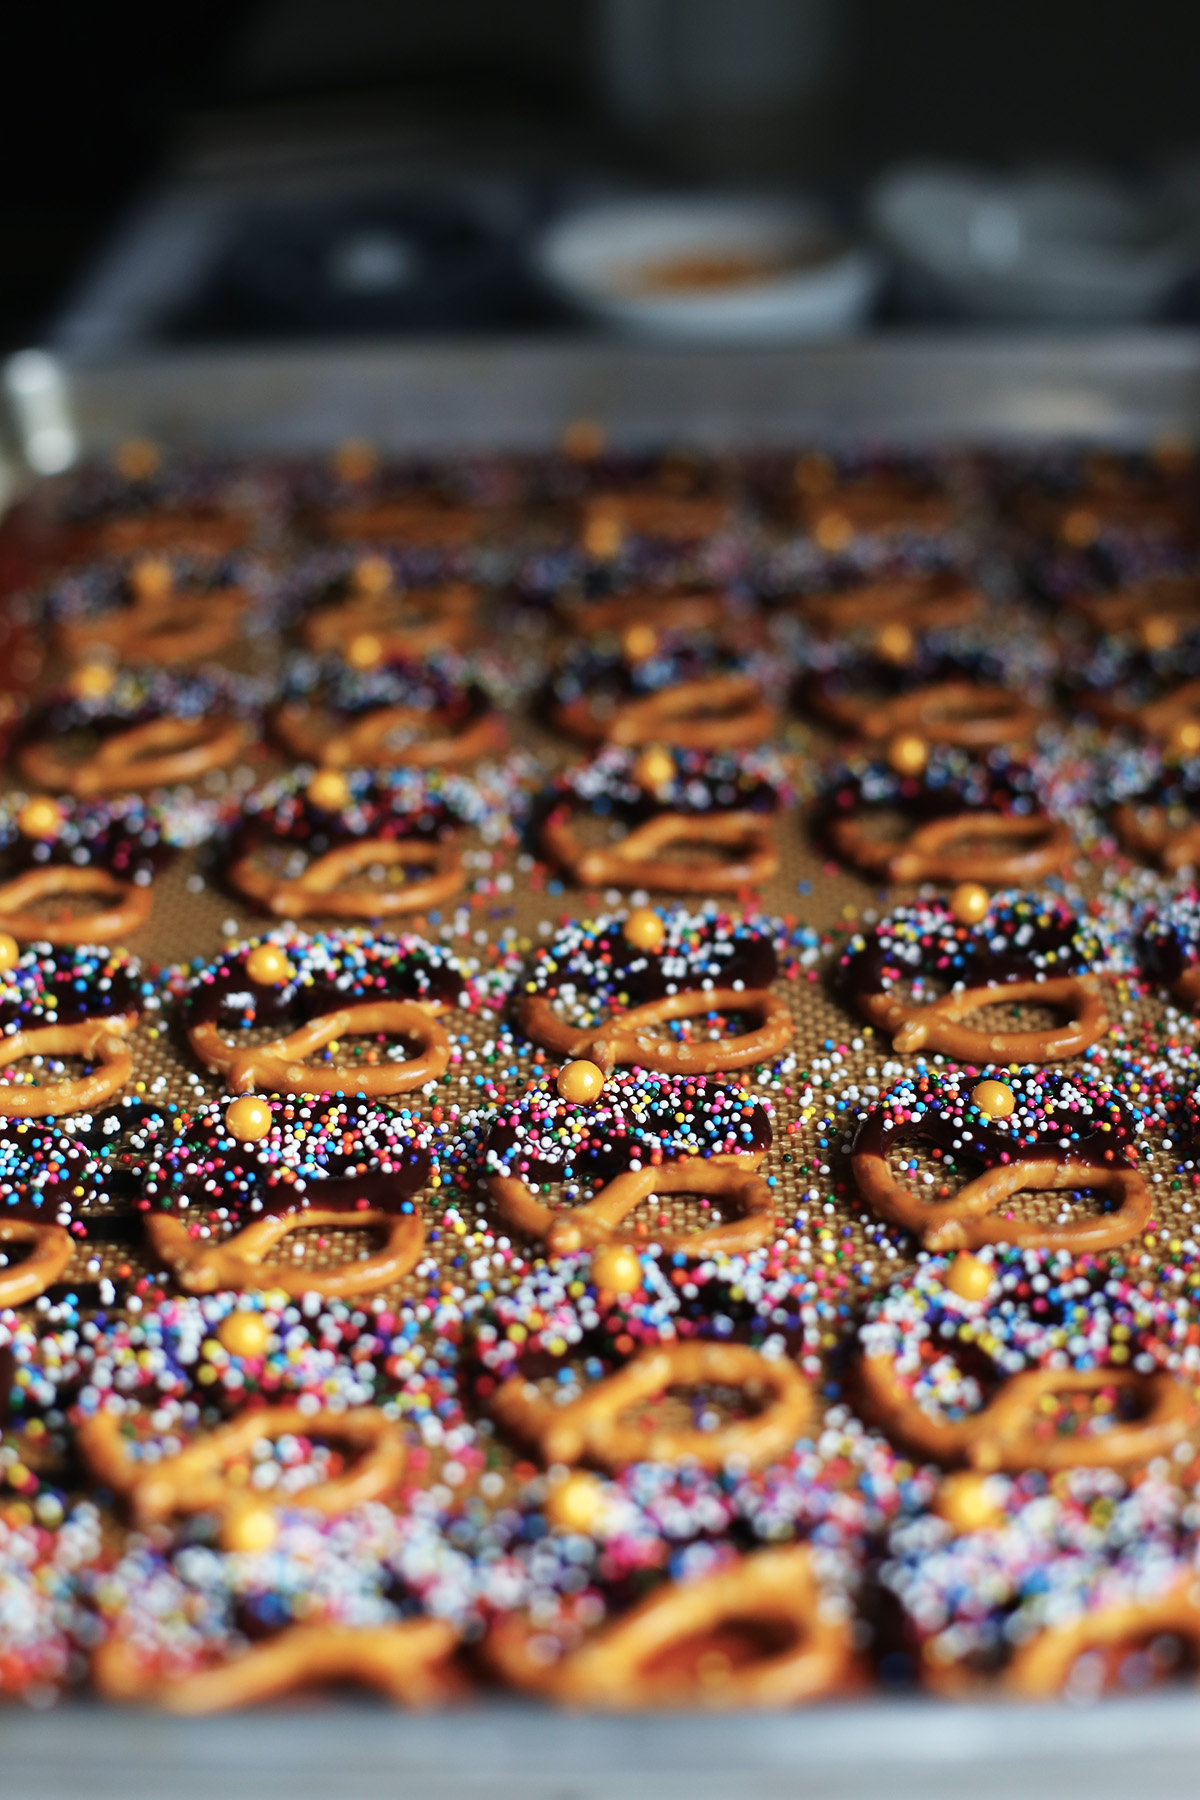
<point x="368" y="613"/>
<point x="1107" y="495"/>
<point x="106" y="850"/>
<point x="224" y="1183"/>
<point x="837" y="500"/>
<point x="166" y="611"/>
<point x="968" y="952"/>
<point x="306" y="844"/>
<point x="1168" y="944"/>
<point x="144" y="501"/>
<point x="1153" y="691"/>
<point x="968" y="819"/>
<point x="314" y="991"/>
<point x="1004" y="1401"/>
<point x="717" y="802"/>
<point x="125" y="732"/>
<point x="393" y="713"/>
<point x="858" y="599"/>
<point x="361" y="496"/>
<point x="946" y="692"/>
<point x="72" y="1000"/>
<point x="661" y="688"/>
<point x="628" y="1138"/>
<point x="1037" y="1131"/>
<point x="613" y="499"/>
<point x="1155" y="806"/>
<point x="54" y="1181"/>
<point x="598" y="988"/>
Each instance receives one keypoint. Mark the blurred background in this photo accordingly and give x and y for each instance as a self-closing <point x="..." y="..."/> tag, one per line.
<point x="240" y="170"/>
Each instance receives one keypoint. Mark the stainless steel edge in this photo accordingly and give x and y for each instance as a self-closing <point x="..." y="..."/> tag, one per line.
<point x="1131" y="386"/>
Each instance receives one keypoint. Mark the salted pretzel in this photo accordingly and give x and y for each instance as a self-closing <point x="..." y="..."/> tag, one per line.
<point x="339" y="827"/>
<point x="616" y="977"/>
<point x="216" y="1204"/>
<point x="591" y="1429"/>
<point x="142" y="615"/>
<point x="316" y="990"/>
<point x="945" y="692"/>
<point x="940" y="600"/>
<point x="628" y="1142"/>
<point x="1040" y="1131"/>
<point x="671" y="1649"/>
<point x="978" y="821"/>
<point x="718" y="803"/>
<point x="197" y="1478"/>
<point x="81" y="1001"/>
<point x="911" y="1386"/>
<point x="376" y="619"/>
<point x="425" y="715"/>
<point x="971" y="953"/>
<point x="661" y="689"/>
<point x="145" y="730"/>
<point x="406" y="1661"/>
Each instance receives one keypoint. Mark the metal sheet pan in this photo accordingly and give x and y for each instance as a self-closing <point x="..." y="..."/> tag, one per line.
<point x="520" y="394"/>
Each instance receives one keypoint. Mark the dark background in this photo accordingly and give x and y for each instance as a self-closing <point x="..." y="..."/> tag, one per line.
<point x="99" y="101"/>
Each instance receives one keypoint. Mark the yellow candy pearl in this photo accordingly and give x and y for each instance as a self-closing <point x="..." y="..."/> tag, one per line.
<point x="967" y="1502"/>
<point x="248" y="1119"/>
<point x="244" y="1334"/>
<point x="269" y="964"/>
<point x="993" y="1098"/>
<point x="617" y="1269"/>
<point x="249" y="1528"/>
<point x="373" y="575"/>
<point x="970" y="1277"/>
<point x="40" y="817"/>
<point x="91" y="680"/>
<point x="580" y="1082"/>
<point x="1184" y="737"/>
<point x="644" y="929"/>
<point x="10" y="950"/>
<point x="364" y="651"/>
<point x="907" y="753"/>
<point x="577" y="1504"/>
<point x="969" y="902"/>
<point x="151" y="579"/>
<point x="639" y="642"/>
<point x="654" y="768"/>
<point x="329" y="790"/>
<point x="894" y="643"/>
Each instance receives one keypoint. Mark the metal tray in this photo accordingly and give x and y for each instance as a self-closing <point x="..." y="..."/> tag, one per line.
<point x="1131" y="388"/>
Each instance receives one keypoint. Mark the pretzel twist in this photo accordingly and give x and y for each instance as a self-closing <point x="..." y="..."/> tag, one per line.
<point x="155" y="754"/>
<point x="47" y="1262"/>
<point x="599" y="1221"/>
<point x="964" y="713"/>
<point x="405" y="625"/>
<point x="625" y="1037"/>
<point x="280" y="1067"/>
<point x="1041" y="1667"/>
<point x="637" y="861"/>
<point x="208" y="1265"/>
<point x="324" y="887"/>
<point x="196" y="1479"/>
<point x="922" y="602"/>
<point x="1156" y="718"/>
<point x="306" y="732"/>
<point x="966" y="1222"/>
<point x="1003" y="1436"/>
<point x="678" y="518"/>
<point x="716" y="712"/>
<point x="592" y="1430"/>
<point x="132" y="908"/>
<point x="188" y="533"/>
<point x="938" y="1025"/>
<point x="670" y="612"/>
<point x="1037" y="846"/>
<point x="628" y="1663"/>
<point x="176" y="629"/>
<point x="1148" y="831"/>
<point x="420" y="523"/>
<point x="102" y="1040"/>
<point x="408" y="1662"/>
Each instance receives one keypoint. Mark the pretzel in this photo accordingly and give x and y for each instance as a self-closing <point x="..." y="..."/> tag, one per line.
<point x="199" y="533"/>
<point x="636" y="861"/>
<point x="591" y="1428"/>
<point x="608" y="519"/>
<point x="280" y="1067"/>
<point x="208" y="1265"/>
<point x="1160" y="719"/>
<point x="600" y="1220"/>
<point x="101" y="1040"/>
<point x="625" y="1038"/>
<point x="715" y="712"/>
<point x="407" y="1662"/>
<point x="153" y="754"/>
<point x="132" y="908"/>
<point x="194" y="1480"/>
<point x="1002" y="1435"/>
<point x="47" y="1262"/>
<point x="1151" y="831"/>
<point x="1157" y="608"/>
<point x="1041" y="1667"/>
<point x="969" y="714"/>
<point x="305" y="731"/>
<point x="964" y="1222"/>
<point x="167" y="631"/>
<point x="1038" y="846"/>
<point x="936" y="602"/>
<point x="628" y="1662"/>
<point x="937" y="1025"/>
<point x="409" y="624"/>
<point x="700" y="611"/>
<point x="421" y="523"/>
<point x="323" y="889"/>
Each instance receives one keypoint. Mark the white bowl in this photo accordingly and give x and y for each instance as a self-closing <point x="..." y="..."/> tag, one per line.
<point x="1047" y="246"/>
<point x="721" y="270"/>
